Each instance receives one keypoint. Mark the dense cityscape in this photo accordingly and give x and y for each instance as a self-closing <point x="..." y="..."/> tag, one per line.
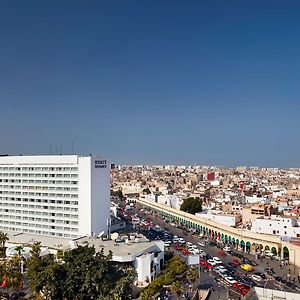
<point x="149" y="150"/>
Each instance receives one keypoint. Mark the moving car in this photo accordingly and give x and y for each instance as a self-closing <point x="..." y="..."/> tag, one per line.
<point x="236" y="262"/>
<point x="227" y="249"/>
<point x="201" y="244"/>
<point x="247" y="267"/>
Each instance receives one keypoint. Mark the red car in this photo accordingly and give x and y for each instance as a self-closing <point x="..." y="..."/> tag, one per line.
<point x="236" y="262"/>
<point x="178" y="247"/>
<point x="205" y="264"/>
<point x="202" y="262"/>
<point x="185" y="251"/>
<point x="243" y="289"/>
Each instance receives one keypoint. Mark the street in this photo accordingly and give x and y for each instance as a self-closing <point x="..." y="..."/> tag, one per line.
<point x="208" y="279"/>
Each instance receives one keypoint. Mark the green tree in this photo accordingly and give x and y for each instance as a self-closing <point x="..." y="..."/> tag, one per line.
<point x="3" y="239"/>
<point x="192" y="205"/>
<point x="118" y="193"/>
<point x="192" y="275"/>
<point x="82" y="274"/>
<point x="146" y="191"/>
<point x="177" y="288"/>
<point x="145" y="295"/>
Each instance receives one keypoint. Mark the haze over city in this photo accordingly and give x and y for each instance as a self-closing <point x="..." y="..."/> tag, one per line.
<point x="160" y="82"/>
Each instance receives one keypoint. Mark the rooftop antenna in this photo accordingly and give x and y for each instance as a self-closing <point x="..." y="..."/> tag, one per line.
<point x="61" y="149"/>
<point x="114" y="236"/>
<point x="50" y="149"/>
<point x="73" y="146"/>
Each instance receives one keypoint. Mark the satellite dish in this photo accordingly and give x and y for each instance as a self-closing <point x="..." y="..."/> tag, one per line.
<point x="100" y="234"/>
<point x="114" y="236"/>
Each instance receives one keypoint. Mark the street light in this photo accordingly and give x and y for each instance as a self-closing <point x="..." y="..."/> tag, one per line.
<point x="294" y="261"/>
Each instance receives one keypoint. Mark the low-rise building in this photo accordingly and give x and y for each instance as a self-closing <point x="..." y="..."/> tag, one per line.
<point x="282" y="226"/>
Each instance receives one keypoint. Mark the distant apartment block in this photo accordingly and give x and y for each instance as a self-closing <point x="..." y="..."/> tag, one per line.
<point x="57" y="195"/>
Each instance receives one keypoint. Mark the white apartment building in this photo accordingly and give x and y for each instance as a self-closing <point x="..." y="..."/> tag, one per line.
<point x="225" y="219"/>
<point x="276" y="225"/>
<point x="56" y="195"/>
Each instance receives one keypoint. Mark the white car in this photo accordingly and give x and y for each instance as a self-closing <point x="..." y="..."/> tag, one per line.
<point x="268" y="253"/>
<point x="195" y="251"/>
<point x="227" y="249"/>
<point x="256" y="277"/>
<point x="201" y="244"/>
<point x="221" y="268"/>
<point x="230" y="280"/>
<point x="212" y="262"/>
<point x="217" y="260"/>
<point x="189" y="244"/>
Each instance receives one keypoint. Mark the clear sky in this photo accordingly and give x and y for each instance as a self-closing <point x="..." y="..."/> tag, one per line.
<point x="162" y="82"/>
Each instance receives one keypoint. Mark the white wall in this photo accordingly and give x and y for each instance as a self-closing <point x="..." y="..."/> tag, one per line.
<point x="84" y="195"/>
<point x="94" y="195"/>
<point x="277" y="225"/>
<point x="100" y="194"/>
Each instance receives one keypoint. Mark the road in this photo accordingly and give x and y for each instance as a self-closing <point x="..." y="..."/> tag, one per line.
<point x="208" y="279"/>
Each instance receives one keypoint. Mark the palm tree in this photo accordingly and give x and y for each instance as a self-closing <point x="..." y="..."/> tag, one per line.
<point x="192" y="275"/>
<point x="3" y="239"/>
<point x="177" y="288"/>
<point x="145" y="295"/>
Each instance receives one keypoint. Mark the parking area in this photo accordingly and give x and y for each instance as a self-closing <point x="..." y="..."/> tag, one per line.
<point x="222" y="267"/>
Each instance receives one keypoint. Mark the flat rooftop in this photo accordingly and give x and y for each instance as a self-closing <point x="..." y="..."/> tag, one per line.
<point x="126" y="248"/>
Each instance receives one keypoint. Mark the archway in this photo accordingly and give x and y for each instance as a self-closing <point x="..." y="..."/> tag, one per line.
<point x="267" y="248"/>
<point x="274" y="251"/>
<point x="233" y="241"/>
<point x="248" y="246"/>
<point x="237" y="243"/>
<point x="243" y="245"/>
<point x="254" y="247"/>
<point x="226" y="238"/>
<point x="285" y="252"/>
<point x="222" y="237"/>
<point x="229" y="240"/>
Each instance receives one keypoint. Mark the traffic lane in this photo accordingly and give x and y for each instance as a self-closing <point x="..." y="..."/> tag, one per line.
<point x="213" y="251"/>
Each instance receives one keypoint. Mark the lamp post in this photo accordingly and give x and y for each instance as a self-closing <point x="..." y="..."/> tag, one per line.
<point x="294" y="262"/>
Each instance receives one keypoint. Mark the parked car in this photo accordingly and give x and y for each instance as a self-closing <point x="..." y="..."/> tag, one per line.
<point x="263" y="276"/>
<point x="248" y="281"/>
<point x="212" y="262"/>
<point x="178" y="247"/>
<point x="268" y="253"/>
<point x="217" y="260"/>
<point x="236" y="262"/>
<point x="201" y="244"/>
<point x="255" y="277"/>
<point x="230" y="280"/>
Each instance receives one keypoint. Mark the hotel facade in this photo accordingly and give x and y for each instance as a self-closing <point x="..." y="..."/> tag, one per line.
<point x="57" y="195"/>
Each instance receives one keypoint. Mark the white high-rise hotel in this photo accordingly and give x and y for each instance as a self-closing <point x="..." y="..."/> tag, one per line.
<point x="57" y="195"/>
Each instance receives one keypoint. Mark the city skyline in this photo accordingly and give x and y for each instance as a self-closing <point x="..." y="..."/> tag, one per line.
<point x="152" y="83"/>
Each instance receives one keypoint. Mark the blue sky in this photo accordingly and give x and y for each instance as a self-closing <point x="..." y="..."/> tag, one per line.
<point x="171" y="82"/>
